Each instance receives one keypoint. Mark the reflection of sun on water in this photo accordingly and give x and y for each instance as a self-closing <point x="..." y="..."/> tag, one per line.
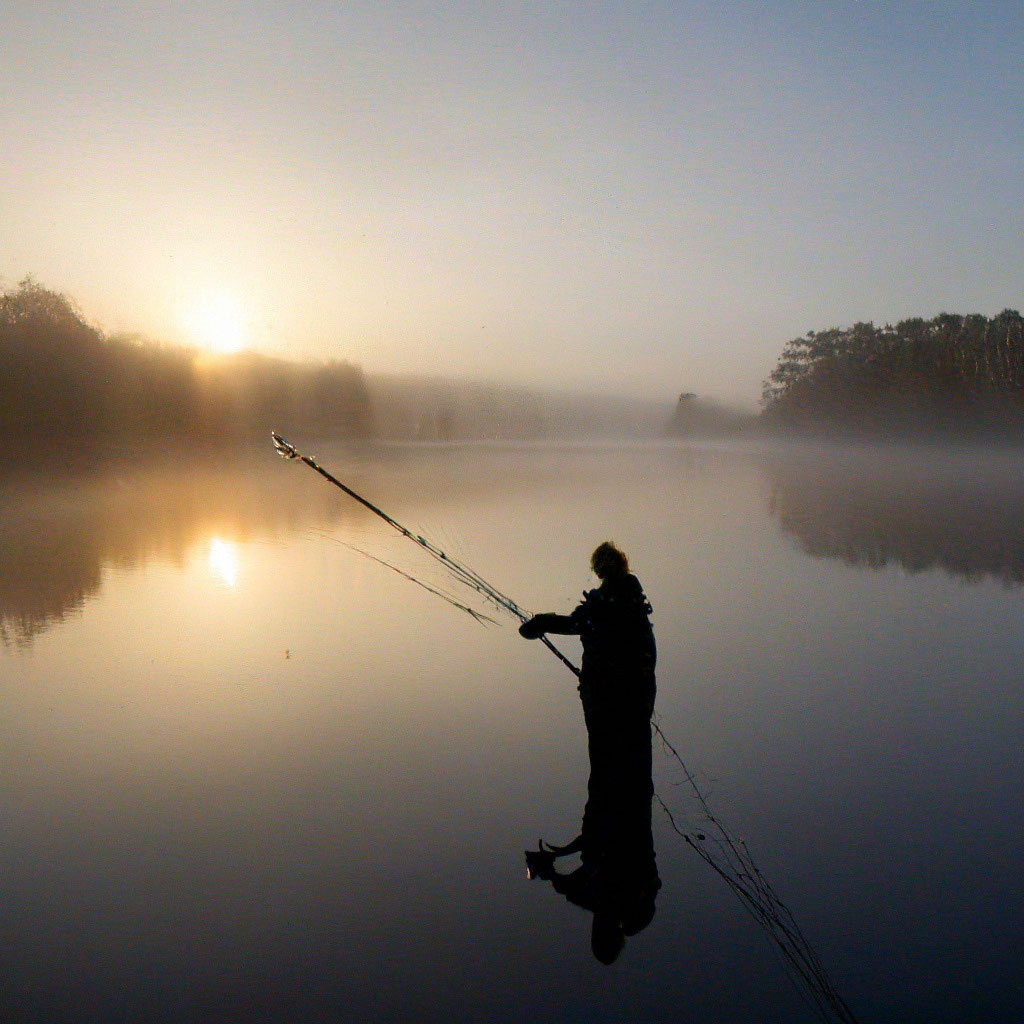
<point x="223" y="558"/>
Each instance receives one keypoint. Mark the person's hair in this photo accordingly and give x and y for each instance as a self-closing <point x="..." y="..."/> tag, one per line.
<point x="606" y="938"/>
<point x="607" y="560"/>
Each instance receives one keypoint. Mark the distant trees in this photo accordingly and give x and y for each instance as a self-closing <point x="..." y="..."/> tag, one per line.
<point x="42" y="390"/>
<point x="61" y="377"/>
<point x="246" y="394"/>
<point x="702" y="417"/>
<point x="955" y="372"/>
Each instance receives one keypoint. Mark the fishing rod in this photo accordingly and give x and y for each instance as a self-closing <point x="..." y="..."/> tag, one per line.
<point x="462" y="573"/>
<point x="727" y="856"/>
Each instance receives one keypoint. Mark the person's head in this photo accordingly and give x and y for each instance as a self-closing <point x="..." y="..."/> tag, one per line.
<point x="606" y="938"/>
<point x="639" y="915"/>
<point x="607" y="560"/>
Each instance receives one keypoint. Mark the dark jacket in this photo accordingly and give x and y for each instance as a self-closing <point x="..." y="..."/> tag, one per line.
<point x="619" y="653"/>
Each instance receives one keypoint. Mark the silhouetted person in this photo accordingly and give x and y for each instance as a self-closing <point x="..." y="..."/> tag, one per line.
<point x="617" y="683"/>
<point x="618" y="878"/>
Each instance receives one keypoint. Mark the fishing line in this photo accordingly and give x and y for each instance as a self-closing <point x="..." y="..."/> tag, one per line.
<point x="461" y="572"/>
<point x="444" y="595"/>
<point x="733" y="862"/>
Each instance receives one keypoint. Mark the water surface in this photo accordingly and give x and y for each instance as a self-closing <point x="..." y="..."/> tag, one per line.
<point x="252" y="774"/>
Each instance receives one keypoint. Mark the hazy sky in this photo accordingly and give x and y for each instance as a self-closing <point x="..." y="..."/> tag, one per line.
<point x="649" y="197"/>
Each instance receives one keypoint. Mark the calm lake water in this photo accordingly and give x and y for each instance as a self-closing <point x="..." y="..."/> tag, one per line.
<point x="251" y="775"/>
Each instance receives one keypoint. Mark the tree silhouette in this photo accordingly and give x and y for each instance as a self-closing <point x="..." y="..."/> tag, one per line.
<point x="962" y="373"/>
<point x="62" y="378"/>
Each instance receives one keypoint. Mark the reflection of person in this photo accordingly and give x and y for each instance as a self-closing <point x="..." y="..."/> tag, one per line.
<point x="617" y="879"/>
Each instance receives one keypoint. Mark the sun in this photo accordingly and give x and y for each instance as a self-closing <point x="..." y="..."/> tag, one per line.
<point x="216" y="323"/>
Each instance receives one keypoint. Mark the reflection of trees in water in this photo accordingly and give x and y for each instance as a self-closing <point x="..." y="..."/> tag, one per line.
<point x="61" y="530"/>
<point x="924" y="511"/>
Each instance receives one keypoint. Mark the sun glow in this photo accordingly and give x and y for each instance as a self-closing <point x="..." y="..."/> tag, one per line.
<point x="216" y="323"/>
<point x="223" y="559"/>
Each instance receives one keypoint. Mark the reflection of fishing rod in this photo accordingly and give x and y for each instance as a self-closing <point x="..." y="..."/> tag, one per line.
<point x="731" y="859"/>
<point x="468" y="577"/>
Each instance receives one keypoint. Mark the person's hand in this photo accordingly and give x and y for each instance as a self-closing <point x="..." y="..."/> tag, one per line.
<point x="540" y="864"/>
<point x="530" y="629"/>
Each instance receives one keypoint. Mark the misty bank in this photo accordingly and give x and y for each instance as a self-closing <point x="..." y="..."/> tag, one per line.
<point x="63" y="380"/>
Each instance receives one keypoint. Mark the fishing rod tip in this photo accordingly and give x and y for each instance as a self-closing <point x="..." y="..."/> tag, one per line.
<point x="282" y="447"/>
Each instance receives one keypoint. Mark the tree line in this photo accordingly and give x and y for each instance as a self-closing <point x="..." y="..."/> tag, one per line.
<point x="63" y="378"/>
<point x="953" y="372"/>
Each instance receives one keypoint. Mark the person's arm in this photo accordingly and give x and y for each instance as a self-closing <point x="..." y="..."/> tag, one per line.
<point x="548" y="622"/>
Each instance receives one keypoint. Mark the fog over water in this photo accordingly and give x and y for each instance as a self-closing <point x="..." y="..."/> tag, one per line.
<point x="250" y="773"/>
